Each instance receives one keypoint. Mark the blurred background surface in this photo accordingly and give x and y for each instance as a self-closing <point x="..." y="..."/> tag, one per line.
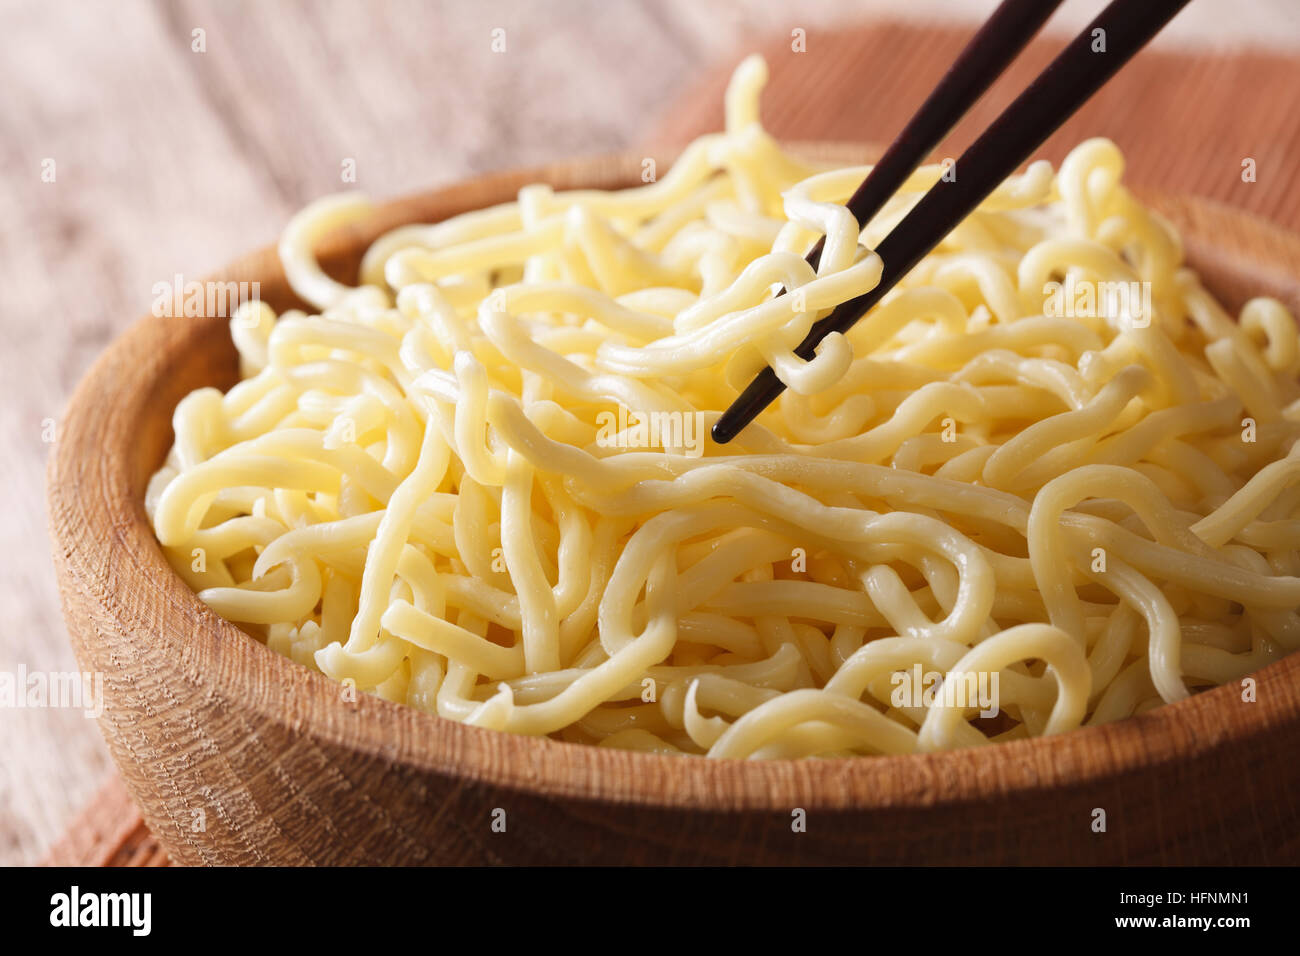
<point x="168" y="160"/>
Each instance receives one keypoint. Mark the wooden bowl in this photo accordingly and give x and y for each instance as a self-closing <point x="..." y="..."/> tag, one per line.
<point x="237" y="755"/>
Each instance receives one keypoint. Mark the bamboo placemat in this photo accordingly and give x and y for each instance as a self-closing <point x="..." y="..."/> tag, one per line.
<point x="108" y="832"/>
<point x="1186" y="124"/>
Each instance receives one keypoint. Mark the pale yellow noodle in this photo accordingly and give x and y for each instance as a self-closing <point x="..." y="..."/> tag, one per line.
<point x="481" y="482"/>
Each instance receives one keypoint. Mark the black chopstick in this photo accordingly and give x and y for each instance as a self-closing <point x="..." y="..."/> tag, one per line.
<point x="987" y="55"/>
<point x="1079" y="71"/>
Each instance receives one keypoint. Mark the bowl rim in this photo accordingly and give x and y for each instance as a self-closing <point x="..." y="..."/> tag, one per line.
<point x="216" y="655"/>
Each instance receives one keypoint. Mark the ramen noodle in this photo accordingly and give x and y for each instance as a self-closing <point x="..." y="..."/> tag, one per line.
<point x="1047" y="482"/>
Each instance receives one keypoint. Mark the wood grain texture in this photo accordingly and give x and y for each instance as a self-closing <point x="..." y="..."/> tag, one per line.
<point x="207" y="725"/>
<point x="170" y="161"/>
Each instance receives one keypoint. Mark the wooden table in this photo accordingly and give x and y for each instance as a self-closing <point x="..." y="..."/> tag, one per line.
<point x="167" y="159"/>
